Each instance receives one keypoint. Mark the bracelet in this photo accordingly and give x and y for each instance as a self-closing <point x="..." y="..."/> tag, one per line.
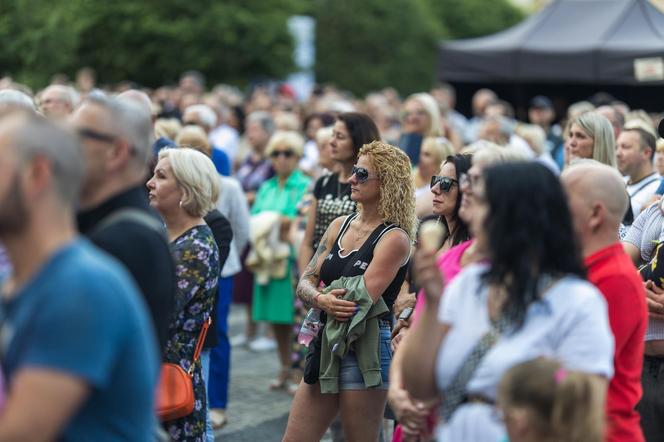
<point x="316" y="300"/>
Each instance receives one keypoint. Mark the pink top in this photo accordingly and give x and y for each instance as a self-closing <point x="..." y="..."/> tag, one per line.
<point x="449" y="264"/>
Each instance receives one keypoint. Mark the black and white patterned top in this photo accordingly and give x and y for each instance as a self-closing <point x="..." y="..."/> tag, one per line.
<point x="333" y="199"/>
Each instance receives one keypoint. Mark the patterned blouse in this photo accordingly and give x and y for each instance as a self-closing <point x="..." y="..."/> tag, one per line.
<point x="333" y="199"/>
<point x="197" y="270"/>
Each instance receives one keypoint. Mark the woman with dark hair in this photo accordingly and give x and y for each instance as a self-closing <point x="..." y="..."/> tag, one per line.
<point x="331" y="192"/>
<point x="530" y="300"/>
<point x="446" y="204"/>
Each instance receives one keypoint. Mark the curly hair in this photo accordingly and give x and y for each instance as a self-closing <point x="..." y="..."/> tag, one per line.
<point x="397" y="190"/>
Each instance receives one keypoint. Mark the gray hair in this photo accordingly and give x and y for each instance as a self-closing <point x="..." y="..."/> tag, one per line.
<point x="264" y="119"/>
<point x="131" y="122"/>
<point x="35" y="136"/>
<point x="14" y="98"/>
<point x="67" y="93"/>
<point x="206" y="115"/>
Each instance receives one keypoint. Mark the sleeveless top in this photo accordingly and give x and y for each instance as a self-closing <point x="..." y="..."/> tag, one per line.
<point x="357" y="261"/>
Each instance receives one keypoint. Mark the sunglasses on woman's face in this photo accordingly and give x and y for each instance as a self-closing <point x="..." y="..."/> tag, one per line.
<point x="362" y="174"/>
<point x="445" y="182"/>
<point x="285" y="153"/>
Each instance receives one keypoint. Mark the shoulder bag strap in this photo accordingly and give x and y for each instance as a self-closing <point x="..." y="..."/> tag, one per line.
<point x="131" y="214"/>
<point x="199" y="345"/>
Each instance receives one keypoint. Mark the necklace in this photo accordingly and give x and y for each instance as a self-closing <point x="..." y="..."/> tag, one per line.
<point x="361" y="233"/>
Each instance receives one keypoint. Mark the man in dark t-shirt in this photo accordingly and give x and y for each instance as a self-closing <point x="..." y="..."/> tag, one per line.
<point x="114" y="209"/>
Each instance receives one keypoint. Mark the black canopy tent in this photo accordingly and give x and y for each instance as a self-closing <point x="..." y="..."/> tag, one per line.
<point x="579" y="45"/>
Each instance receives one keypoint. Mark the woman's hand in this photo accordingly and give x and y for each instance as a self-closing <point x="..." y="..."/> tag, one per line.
<point x="428" y="276"/>
<point x="336" y="307"/>
<point x="412" y="415"/>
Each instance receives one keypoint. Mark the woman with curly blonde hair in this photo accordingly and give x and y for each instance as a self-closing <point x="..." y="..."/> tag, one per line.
<point x="373" y="243"/>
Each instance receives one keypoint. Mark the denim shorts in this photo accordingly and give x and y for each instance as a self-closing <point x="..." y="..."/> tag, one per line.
<point x="350" y="376"/>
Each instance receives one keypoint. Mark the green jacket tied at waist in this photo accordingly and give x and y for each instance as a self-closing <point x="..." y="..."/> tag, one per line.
<point x="361" y="333"/>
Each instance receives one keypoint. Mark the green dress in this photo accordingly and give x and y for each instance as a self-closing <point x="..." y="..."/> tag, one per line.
<point x="273" y="302"/>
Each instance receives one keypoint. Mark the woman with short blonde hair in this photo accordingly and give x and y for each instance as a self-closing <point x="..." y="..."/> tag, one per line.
<point x="184" y="187"/>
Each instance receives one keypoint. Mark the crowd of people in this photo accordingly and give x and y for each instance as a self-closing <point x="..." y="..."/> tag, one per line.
<point x="467" y="279"/>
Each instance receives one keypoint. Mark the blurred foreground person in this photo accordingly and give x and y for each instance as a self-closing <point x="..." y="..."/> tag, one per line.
<point x="530" y="299"/>
<point x="183" y="189"/>
<point x="77" y="347"/>
<point x="540" y="401"/>
<point x="598" y="200"/>
<point x="114" y="211"/>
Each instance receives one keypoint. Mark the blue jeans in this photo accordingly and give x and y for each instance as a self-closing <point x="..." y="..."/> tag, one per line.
<point x="220" y="356"/>
<point x="205" y="372"/>
<point x="350" y="376"/>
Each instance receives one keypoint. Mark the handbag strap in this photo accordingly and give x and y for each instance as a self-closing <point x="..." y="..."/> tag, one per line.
<point x="454" y="394"/>
<point x="199" y="345"/>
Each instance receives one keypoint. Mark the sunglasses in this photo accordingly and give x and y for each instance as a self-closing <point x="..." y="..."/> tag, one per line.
<point x="285" y="153"/>
<point x="445" y="182"/>
<point x="94" y="135"/>
<point x="361" y="174"/>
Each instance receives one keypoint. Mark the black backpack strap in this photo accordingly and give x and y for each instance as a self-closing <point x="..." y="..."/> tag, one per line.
<point x="134" y="215"/>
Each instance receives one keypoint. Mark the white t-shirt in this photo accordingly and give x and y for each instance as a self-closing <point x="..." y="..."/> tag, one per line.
<point x="641" y="192"/>
<point x="570" y="324"/>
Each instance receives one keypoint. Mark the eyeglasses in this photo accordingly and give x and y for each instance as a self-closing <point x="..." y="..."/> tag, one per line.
<point x="93" y="134"/>
<point x="445" y="182"/>
<point x="285" y="153"/>
<point x="362" y="174"/>
<point x="467" y="181"/>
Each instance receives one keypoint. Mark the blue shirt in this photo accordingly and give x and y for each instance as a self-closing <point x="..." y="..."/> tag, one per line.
<point x="570" y="324"/>
<point x="221" y="161"/>
<point x="82" y="315"/>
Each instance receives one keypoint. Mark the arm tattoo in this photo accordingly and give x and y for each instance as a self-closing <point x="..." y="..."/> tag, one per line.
<point x="307" y="288"/>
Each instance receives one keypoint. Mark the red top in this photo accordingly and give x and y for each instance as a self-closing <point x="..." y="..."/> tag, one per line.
<point x="612" y="272"/>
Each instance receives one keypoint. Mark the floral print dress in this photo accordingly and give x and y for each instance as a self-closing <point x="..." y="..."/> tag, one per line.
<point x="197" y="270"/>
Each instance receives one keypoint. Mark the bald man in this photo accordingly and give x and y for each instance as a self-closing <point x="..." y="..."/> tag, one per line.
<point x="598" y="201"/>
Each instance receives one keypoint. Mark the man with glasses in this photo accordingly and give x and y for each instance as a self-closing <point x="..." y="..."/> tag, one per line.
<point x="58" y="101"/>
<point x="76" y="345"/>
<point x="114" y="212"/>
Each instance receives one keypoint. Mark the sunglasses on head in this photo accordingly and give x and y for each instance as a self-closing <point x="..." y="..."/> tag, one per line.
<point x="361" y="174"/>
<point x="445" y="182"/>
<point x="285" y="153"/>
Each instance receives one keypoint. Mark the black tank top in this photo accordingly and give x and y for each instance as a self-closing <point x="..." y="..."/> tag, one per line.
<point x="355" y="263"/>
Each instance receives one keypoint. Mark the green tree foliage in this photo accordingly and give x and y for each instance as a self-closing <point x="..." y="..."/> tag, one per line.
<point x="370" y="44"/>
<point x="147" y="41"/>
<point x="474" y="18"/>
<point x="361" y="45"/>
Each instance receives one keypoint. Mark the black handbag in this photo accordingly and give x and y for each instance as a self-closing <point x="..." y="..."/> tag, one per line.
<point x="312" y="360"/>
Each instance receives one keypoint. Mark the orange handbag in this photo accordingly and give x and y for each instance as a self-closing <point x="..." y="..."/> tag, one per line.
<point x="175" y="393"/>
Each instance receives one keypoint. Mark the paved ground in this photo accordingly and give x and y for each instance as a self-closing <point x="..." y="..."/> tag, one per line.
<point x="255" y="413"/>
